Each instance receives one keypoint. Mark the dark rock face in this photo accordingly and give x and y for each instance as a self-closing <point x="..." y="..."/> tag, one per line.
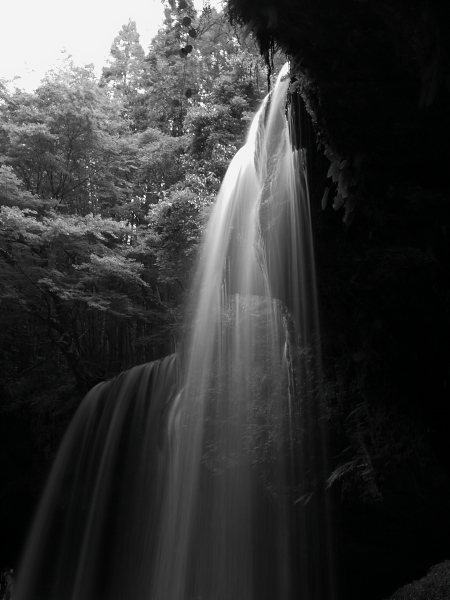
<point x="374" y="74"/>
<point x="386" y="347"/>
<point x="372" y="87"/>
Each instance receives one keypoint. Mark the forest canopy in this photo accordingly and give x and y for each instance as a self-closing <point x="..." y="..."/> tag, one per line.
<point x="105" y="184"/>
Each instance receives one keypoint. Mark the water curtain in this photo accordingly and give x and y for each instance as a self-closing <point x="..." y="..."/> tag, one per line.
<point x="201" y="477"/>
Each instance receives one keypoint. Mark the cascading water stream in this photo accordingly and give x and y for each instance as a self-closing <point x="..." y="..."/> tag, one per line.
<point x="204" y="481"/>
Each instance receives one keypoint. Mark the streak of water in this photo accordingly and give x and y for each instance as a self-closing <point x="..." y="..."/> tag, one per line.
<point x="213" y="490"/>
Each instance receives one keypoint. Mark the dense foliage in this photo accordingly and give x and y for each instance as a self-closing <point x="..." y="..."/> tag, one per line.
<point x="104" y="187"/>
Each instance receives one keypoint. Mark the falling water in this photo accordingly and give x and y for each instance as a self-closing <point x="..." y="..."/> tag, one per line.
<point x="201" y="477"/>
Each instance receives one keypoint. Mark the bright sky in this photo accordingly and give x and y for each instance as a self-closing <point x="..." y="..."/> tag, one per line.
<point x="34" y="32"/>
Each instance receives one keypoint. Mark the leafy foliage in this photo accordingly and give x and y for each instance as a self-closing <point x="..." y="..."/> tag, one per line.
<point x="67" y="142"/>
<point x="104" y="190"/>
<point x="62" y="274"/>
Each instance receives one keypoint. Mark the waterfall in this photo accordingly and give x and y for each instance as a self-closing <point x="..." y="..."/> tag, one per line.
<point x="201" y="477"/>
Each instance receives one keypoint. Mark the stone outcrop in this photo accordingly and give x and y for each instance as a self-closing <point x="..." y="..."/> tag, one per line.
<point x="371" y="85"/>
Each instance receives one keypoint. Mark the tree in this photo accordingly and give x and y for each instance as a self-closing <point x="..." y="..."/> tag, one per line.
<point x="71" y="282"/>
<point x="67" y="142"/>
<point x="125" y="67"/>
<point x="125" y="75"/>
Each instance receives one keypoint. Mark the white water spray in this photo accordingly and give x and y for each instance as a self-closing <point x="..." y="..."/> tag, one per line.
<point x="207" y="485"/>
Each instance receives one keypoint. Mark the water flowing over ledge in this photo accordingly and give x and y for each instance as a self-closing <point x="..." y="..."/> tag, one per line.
<point x="202" y="477"/>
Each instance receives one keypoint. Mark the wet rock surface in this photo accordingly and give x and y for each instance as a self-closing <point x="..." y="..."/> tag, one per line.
<point x="373" y="81"/>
